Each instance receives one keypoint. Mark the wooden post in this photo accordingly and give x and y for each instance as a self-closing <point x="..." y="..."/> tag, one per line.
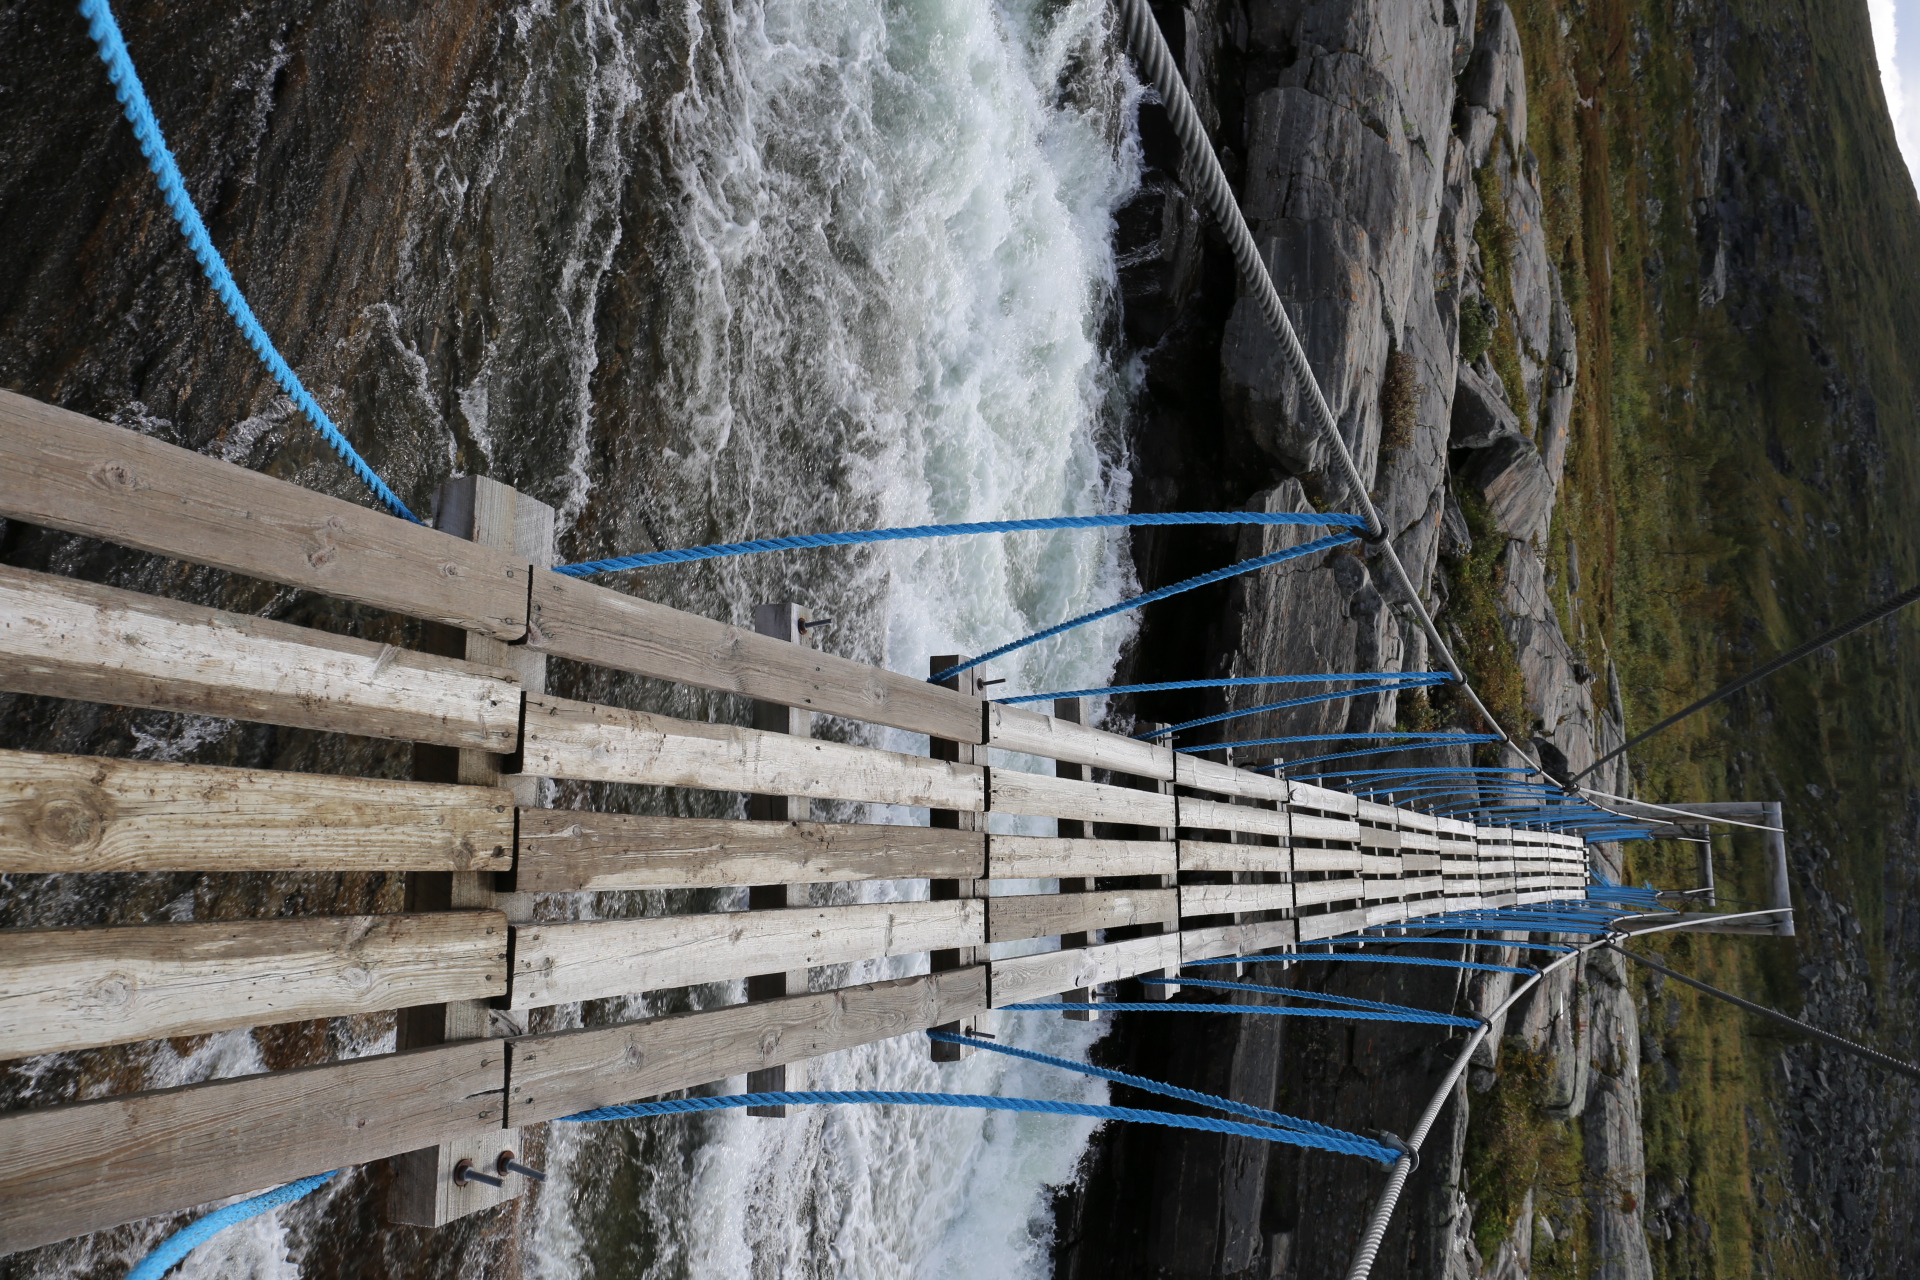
<point x="423" y="1192"/>
<point x="782" y="621"/>
<point x="1164" y="786"/>
<point x="1074" y="710"/>
<point x="954" y="820"/>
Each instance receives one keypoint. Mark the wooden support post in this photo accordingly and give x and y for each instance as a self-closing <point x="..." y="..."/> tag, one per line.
<point x="955" y="820"/>
<point x="1074" y="711"/>
<point x="424" y="1192"/>
<point x="1165" y="786"/>
<point x="782" y="621"/>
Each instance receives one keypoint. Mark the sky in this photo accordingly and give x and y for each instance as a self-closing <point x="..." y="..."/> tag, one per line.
<point x="1896" y="40"/>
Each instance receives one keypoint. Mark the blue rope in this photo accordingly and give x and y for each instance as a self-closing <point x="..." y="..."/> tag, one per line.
<point x="1359" y="692"/>
<point x="1237" y="682"/>
<point x="1218" y="575"/>
<point x="1376" y="940"/>
<point x="173" y="188"/>
<point x="862" y="536"/>
<point x="1151" y="1086"/>
<point x="1322" y="955"/>
<point x="1372" y="751"/>
<point x="1178" y="1006"/>
<point x="1346" y="737"/>
<point x="1294" y="1137"/>
<point x="1408" y="1012"/>
<point x="184" y="1241"/>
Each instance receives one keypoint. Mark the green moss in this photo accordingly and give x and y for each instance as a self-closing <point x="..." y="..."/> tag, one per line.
<point x="1476" y="331"/>
<point x="1515" y="1146"/>
<point x="1493" y="232"/>
<point x="1475" y="583"/>
<point x="1399" y="401"/>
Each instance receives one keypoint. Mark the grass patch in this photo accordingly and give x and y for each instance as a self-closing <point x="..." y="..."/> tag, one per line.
<point x="1399" y="401"/>
<point x="1474" y="586"/>
<point x="1515" y="1146"/>
<point x="1494" y="233"/>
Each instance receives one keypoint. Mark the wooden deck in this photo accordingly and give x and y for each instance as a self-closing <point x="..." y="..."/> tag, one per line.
<point x="1166" y="858"/>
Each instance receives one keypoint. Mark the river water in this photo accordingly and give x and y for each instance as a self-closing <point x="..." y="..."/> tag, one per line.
<point x="820" y="264"/>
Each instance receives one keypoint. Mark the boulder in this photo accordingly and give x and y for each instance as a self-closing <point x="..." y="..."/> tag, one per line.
<point x="1481" y="415"/>
<point x="1510" y="475"/>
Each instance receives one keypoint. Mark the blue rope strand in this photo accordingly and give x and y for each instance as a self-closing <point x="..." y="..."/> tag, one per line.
<point x="1346" y="737"/>
<point x="184" y="1241"/>
<point x="1293" y="1137"/>
<point x="1359" y="692"/>
<point x="1179" y="1006"/>
<point x="1354" y="1002"/>
<point x="1246" y="1109"/>
<point x="1321" y="955"/>
<point x="1370" y="751"/>
<point x="1377" y="940"/>
<point x="862" y="536"/>
<point x="1218" y="575"/>
<point x="173" y="188"/>
<point x="1412" y="678"/>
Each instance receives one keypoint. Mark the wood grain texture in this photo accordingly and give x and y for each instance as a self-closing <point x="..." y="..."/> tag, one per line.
<point x="567" y="739"/>
<point x="86" y="1166"/>
<point x="1225" y="780"/>
<point x="1211" y="815"/>
<point x="1309" y="893"/>
<point x="1216" y="941"/>
<point x="555" y="963"/>
<point x="74" y="988"/>
<point x="1212" y="855"/>
<point x="1308" y="796"/>
<point x="62" y="470"/>
<point x="563" y="851"/>
<point x="559" y="1074"/>
<point x="1379" y="864"/>
<point x="1308" y="827"/>
<point x="1378" y="838"/>
<point x="1034" y="793"/>
<point x="1221" y="899"/>
<point x="591" y="623"/>
<point x="1331" y="925"/>
<point x="1043" y="976"/>
<point x="66" y="639"/>
<point x="61" y="813"/>
<point x="1420" y="886"/>
<point x="1019" y="729"/>
<point x="1326" y="860"/>
<point x="1042" y="915"/>
<point x="1047" y="857"/>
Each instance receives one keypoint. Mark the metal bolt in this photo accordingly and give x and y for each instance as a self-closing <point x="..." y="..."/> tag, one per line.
<point x="806" y="626"/>
<point x="507" y="1164"/>
<point x="464" y="1172"/>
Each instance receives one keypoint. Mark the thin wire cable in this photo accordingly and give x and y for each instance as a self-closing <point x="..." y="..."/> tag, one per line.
<point x="1421" y="678"/>
<point x="188" y="1238"/>
<point x="127" y="88"/>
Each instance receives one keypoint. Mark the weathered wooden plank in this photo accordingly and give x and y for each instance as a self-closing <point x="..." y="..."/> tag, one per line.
<point x="1377" y="838"/>
<point x="1016" y="792"/>
<point x="1211" y="855"/>
<point x="1331" y="925"/>
<point x="591" y="623"/>
<point x="1326" y="859"/>
<point x="1418" y="886"/>
<point x="1222" y="779"/>
<point x="1421" y="862"/>
<point x="567" y="739"/>
<point x="566" y="851"/>
<point x="1308" y="893"/>
<point x="554" y="963"/>
<point x="1047" y="857"/>
<point x="1236" y="939"/>
<point x="1378" y="864"/>
<point x="1042" y="915"/>
<point x="72" y="988"/>
<point x="67" y="639"/>
<point x="1042" y="976"/>
<point x="1382" y="890"/>
<point x="1308" y="827"/>
<point x="62" y="470"/>
<point x="61" y="813"/>
<point x="1221" y="899"/>
<point x="1018" y="729"/>
<point x="1421" y="840"/>
<point x="569" y="1071"/>
<point x="1211" y="815"/>
<point x="1308" y="796"/>
<point x="73" y="1169"/>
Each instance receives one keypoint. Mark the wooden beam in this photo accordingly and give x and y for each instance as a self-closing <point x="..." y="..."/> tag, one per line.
<point x="1034" y="793"/>
<point x="1308" y="827"/>
<point x="1331" y="924"/>
<point x="567" y="739"/>
<point x="1042" y="976"/>
<point x="1211" y="815"/>
<point x="1054" y="738"/>
<point x="1310" y="893"/>
<point x="569" y="1071"/>
<point x="1213" y="855"/>
<point x="1248" y="939"/>
<point x="1048" y="857"/>
<point x="61" y="470"/>
<point x="591" y="623"/>
<point x="61" y="813"/>
<point x="1221" y="899"/>
<point x="74" y="988"/>
<point x="1041" y="915"/>
<point x="556" y="963"/>
<point x="1308" y="796"/>
<point x="1325" y="859"/>
<point x="569" y="851"/>
<point x="86" y="1166"/>
<point x="66" y="639"/>
<point x="1221" y="779"/>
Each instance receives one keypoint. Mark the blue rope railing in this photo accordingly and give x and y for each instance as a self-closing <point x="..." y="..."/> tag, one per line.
<point x="1407" y="1013"/>
<point x="1236" y="682"/>
<point x="188" y="1238"/>
<point x="1453" y="740"/>
<point x="173" y="188"/>
<point x="1295" y="956"/>
<point x="1184" y="1006"/>
<point x="1343" y="737"/>
<point x="1389" y="685"/>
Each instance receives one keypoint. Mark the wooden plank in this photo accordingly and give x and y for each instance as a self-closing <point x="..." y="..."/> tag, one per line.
<point x="1421" y="862"/>
<point x="73" y="988"/>
<point x="568" y="851"/>
<point x="1420" y="840"/>
<point x="1211" y="855"/>
<point x="1376" y="838"/>
<point x="1236" y="939"/>
<point x="555" y="963"/>
<point x="567" y="739"/>
<point x="1331" y="925"/>
<point x="1308" y="796"/>
<point x="1041" y="915"/>
<point x="1040" y="977"/>
<point x="1308" y="827"/>
<point x="1018" y="729"/>
<point x="61" y="813"/>
<point x="1211" y="815"/>
<point x="1378" y="864"/>
<point x="1221" y="899"/>
<point x="559" y="1074"/>
<point x="1033" y="793"/>
<point x="582" y="620"/>
<point x="1382" y="814"/>
<point x="1048" y="857"/>
<point x="66" y="639"/>
<point x="61" y="470"/>
<point x="83" y="1167"/>
<point x="1308" y="893"/>
<point x="1222" y="779"/>
<point x="1326" y="859"/>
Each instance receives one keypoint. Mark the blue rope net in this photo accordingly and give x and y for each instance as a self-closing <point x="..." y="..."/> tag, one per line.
<point x="173" y="188"/>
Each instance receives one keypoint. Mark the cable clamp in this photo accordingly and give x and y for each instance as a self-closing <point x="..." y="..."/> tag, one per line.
<point x="1399" y="1144"/>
